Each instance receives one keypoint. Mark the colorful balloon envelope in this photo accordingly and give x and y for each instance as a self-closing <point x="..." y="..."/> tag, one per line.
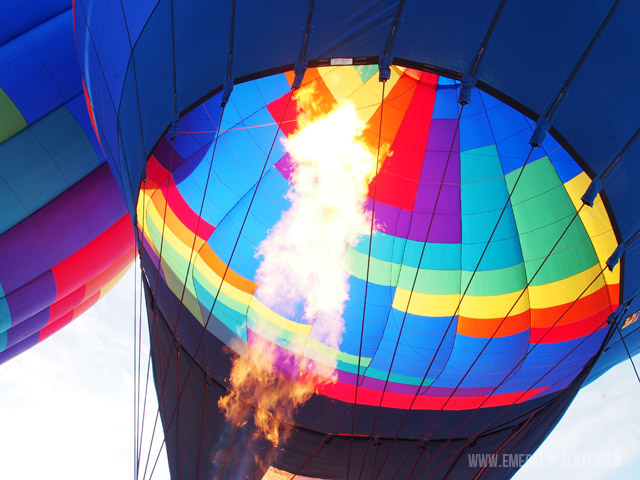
<point x="65" y="234"/>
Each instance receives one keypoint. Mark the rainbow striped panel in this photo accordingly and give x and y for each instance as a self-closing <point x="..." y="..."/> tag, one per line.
<point x="486" y="280"/>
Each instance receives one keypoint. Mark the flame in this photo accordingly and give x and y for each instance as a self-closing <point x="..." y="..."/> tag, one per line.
<point x="303" y="263"/>
<point x="304" y="254"/>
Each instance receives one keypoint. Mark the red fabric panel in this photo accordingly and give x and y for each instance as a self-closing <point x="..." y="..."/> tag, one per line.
<point x="323" y="102"/>
<point x="65" y="319"/>
<point x="156" y="179"/>
<point x="93" y="258"/>
<point x="66" y="304"/>
<point x="112" y="271"/>
<point x="400" y="173"/>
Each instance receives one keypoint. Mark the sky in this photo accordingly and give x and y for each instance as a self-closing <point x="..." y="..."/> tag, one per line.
<point x="66" y="410"/>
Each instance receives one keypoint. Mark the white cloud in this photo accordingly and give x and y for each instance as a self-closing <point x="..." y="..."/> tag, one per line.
<point x="599" y="436"/>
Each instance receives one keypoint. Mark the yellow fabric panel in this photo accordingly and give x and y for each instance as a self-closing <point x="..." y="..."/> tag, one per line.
<point x="596" y="221"/>
<point x="495" y="306"/>
<point x="346" y="83"/>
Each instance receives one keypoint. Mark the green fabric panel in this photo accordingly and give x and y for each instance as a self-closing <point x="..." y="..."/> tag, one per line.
<point x="495" y="282"/>
<point x="543" y="209"/>
<point x="366" y="71"/>
<point x="435" y="282"/>
<point x="11" y="120"/>
<point x="40" y="163"/>
<point x="396" y="378"/>
<point x="441" y="282"/>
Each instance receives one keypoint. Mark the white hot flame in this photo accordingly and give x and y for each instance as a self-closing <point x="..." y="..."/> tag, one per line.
<point x="304" y="253"/>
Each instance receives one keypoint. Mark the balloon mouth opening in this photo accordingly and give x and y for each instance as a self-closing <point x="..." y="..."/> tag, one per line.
<point x="459" y="182"/>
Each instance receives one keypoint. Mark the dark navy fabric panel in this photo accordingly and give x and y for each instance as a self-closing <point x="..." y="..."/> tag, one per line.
<point x="340" y="28"/>
<point x="530" y="422"/>
<point x="444" y="26"/>
<point x="528" y="43"/>
<point x="599" y="115"/>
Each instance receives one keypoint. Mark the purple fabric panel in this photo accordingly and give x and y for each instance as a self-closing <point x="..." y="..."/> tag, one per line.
<point x="59" y="229"/>
<point x="288" y="364"/>
<point x="182" y="171"/>
<point x="375" y="384"/>
<point x="167" y="156"/>
<point x="285" y="167"/>
<point x="17" y="349"/>
<point x="445" y="227"/>
<point x="404" y="224"/>
<point x="32" y="298"/>
<point x="28" y="327"/>
<point x="444" y="230"/>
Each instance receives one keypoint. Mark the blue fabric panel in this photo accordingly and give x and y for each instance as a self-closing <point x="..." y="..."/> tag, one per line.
<point x="511" y="133"/>
<point x="445" y="26"/>
<point x="446" y="105"/>
<point x="539" y="368"/>
<point x="205" y="121"/>
<point x="190" y="164"/>
<point x="610" y="103"/>
<point x="518" y="41"/>
<point x="78" y="108"/>
<point x="615" y="351"/>
<point x="196" y="31"/>
<point x="224" y="238"/>
<point x="621" y="188"/>
<point x="491" y="366"/>
<point x="362" y="27"/>
<point x="379" y="299"/>
<point x="131" y="141"/>
<point x="19" y="16"/>
<point x="565" y="166"/>
<point x="41" y="162"/>
<point x="109" y="36"/>
<point x="136" y="15"/>
<point x="40" y="69"/>
<point x="156" y="98"/>
<point x="282" y="44"/>
<point x="475" y="133"/>
<point x="99" y="95"/>
<point x="432" y="329"/>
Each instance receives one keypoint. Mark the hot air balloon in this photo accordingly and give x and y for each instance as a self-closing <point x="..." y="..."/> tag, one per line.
<point x="65" y="233"/>
<point x="488" y="271"/>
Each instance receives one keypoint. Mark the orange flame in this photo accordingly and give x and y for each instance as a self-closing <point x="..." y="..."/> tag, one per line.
<point x="303" y="261"/>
